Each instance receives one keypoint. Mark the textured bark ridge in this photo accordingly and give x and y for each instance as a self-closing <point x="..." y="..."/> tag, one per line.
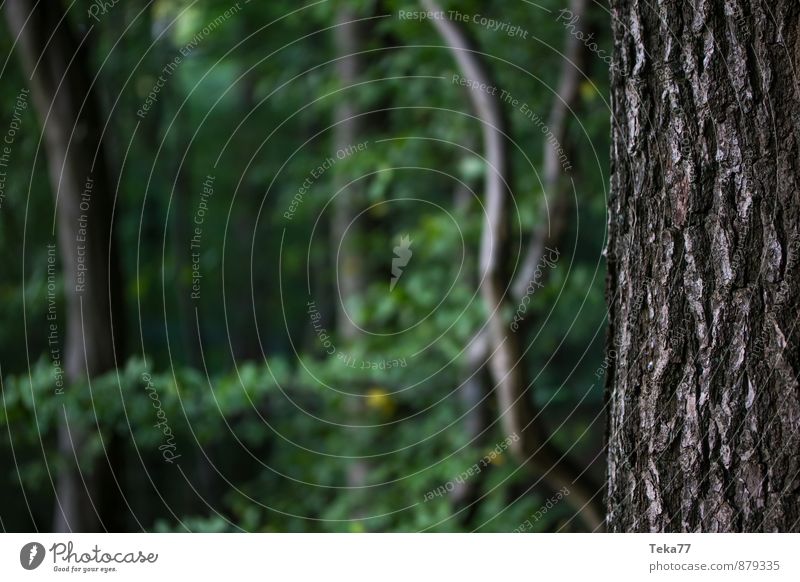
<point x="704" y="267"/>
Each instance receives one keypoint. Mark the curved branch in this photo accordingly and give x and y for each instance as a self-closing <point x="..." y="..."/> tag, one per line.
<point x="551" y="227"/>
<point x="533" y="448"/>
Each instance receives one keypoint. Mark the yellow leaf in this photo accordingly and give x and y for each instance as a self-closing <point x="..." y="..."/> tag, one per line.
<point x="380" y="400"/>
<point x="588" y="91"/>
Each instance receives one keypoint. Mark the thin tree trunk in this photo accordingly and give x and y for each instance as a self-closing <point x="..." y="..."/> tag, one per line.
<point x="704" y="221"/>
<point x="472" y="390"/>
<point x="534" y="449"/>
<point x="555" y="202"/>
<point x="83" y="189"/>
<point x="345" y="252"/>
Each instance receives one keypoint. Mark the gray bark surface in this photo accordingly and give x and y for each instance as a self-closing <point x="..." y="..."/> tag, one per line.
<point x="704" y="406"/>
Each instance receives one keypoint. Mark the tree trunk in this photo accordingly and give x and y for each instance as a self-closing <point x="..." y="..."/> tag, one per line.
<point x="346" y="256"/>
<point x="704" y="223"/>
<point x="51" y="58"/>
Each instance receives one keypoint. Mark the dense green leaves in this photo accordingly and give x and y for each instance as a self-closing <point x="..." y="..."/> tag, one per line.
<point x="255" y="406"/>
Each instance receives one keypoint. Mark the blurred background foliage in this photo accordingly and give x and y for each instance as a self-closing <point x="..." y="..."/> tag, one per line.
<point x="257" y="410"/>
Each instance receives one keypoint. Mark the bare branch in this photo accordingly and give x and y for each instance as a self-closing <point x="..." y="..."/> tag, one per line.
<point x="533" y="448"/>
<point x="553" y="216"/>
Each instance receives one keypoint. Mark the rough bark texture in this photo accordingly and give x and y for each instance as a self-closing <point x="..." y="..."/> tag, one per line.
<point x="704" y="426"/>
<point x="57" y="68"/>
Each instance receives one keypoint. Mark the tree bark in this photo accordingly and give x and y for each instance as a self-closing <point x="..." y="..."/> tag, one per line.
<point x="57" y="68"/>
<point x="704" y="233"/>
